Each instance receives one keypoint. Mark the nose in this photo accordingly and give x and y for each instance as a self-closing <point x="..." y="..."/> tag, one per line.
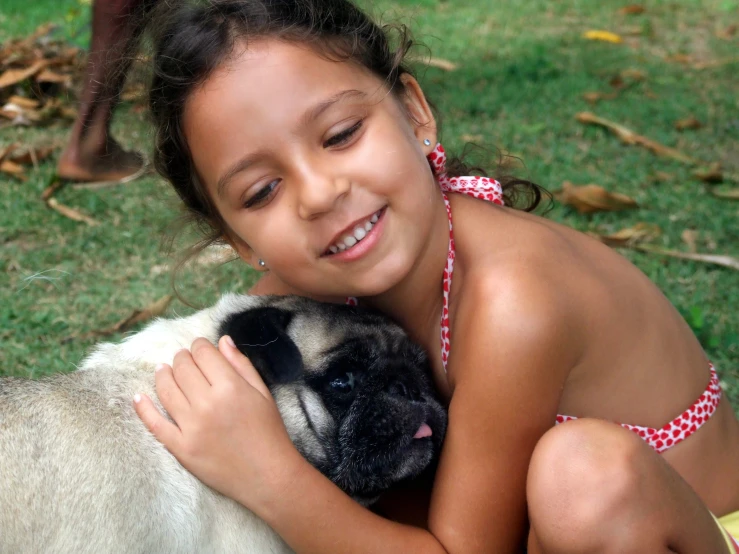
<point x="319" y="192"/>
<point x="401" y="390"/>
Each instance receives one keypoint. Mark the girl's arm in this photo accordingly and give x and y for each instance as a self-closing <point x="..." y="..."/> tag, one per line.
<point x="512" y="352"/>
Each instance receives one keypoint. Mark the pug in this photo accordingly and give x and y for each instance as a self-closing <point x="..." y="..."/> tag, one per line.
<point x="80" y="473"/>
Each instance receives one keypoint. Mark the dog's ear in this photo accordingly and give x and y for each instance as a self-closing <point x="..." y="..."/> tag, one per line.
<point x="261" y="335"/>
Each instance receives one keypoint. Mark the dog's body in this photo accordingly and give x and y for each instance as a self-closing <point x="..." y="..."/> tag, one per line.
<point x="80" y="473"/>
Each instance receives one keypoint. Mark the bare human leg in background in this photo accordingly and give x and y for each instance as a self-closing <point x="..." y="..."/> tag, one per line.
<point x="91" y="154"/>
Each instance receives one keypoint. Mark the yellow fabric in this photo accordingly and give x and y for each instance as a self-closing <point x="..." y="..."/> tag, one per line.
<point x="729" y="525"/>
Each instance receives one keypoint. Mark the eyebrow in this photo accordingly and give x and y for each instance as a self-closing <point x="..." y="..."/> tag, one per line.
<point x="310" y="115"/>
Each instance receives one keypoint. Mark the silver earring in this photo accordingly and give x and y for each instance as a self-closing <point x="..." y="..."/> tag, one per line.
<point x="261" y="262"/>
<point x="427" y="142"/>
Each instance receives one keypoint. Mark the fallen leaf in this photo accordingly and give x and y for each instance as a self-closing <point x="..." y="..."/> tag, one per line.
<point x="48" y="76"/>
<point x="711" y="174"/>
<point x="31" y="154"/>
<point x="7" y="151"/>
<point x="14" y="169"/>
<point x="726" y="194"/>
<point x="627" y="136"/>
<point x="679" y="58"/>
<point x="593" y="198"/>
<point x="14" y="76"/>
<point x="690" y="237"/>
<point x="727" y="33"/>
<point x="688" y="123"/>
<point x="23" y="102"/>
<point x="717" y="259"/>
<point x="632" y="9"/>
<point x="631" y="235"/>
<point x="441" y="63"/>
<point x="471" y="138"/>
<point x="604" y="36"/>
<point x="71" y="213"/>
<point x="633" y="74"/>
<point x="663" y="176"/>
<point x="716" y="63"/>
<point x="595" y="97"/>
<point x="155" y="309"/>
<point x="54" y="186"/>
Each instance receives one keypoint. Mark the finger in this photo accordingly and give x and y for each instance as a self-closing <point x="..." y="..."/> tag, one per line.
<point x="164" y="430"/>
<point x="215" y="366"/>
<point x="169" y="393"/>
<point x="188" y="375"/>
<point x="242" y="365"/>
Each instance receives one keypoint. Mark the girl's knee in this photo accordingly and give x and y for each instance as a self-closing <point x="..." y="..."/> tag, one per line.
<point x="583" y="476"/>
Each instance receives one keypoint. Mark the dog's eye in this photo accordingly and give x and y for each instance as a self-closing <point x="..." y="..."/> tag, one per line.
<point x="344" y="383"/>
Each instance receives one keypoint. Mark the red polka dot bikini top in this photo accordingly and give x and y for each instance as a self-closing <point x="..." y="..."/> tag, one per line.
<point x="488" y="189"/>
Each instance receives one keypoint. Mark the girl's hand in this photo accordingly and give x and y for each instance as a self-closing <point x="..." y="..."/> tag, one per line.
<point x="227" y="430"/>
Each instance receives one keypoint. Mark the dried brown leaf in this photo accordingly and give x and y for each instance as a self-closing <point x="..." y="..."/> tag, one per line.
<point x="679" y="58"/>
<point x="727" y="33"/>
<point x="639" y="232"/>
<point x="23" y="102"/>
<point x="32" y="154"/>
<point x="711" y="174"/>
<point x="71" y="213"/>
<point x="5" y="152"/>
<point x="627" y="136"/>
<point x="717" y="259"/>
<point x="716" y="63"/>
<point x="441" y="63"/>
<point x="13" y="76"/>
<point x="726" y="194"/>
<point x="155" y="309"/>
<point x="11" y="168"/>
<point x="690" y="237"/>
<point x="688" y="123"/>
<point x="49" y="76"/>
<point x="593" y="198"/>
<point x="663" y="176"/>
<point x="632" y="9"/>
<point x="595" y="97"/>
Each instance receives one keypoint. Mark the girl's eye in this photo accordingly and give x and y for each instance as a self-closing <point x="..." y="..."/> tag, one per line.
<point x="344" y="384"/>
<point x="262" y="195"/>
<point x="343" y="137"/>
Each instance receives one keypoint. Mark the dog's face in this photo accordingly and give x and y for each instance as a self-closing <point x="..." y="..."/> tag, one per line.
<point x="353" y="390"/>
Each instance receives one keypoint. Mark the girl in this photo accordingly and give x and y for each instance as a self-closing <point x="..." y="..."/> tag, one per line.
<point x="297" y="134"/>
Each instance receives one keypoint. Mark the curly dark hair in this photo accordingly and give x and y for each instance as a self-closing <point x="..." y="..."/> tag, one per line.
<point x="196" y="37"/>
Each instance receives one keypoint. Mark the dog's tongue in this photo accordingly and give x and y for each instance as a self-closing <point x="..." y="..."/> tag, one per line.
<point x="423" y="431"/>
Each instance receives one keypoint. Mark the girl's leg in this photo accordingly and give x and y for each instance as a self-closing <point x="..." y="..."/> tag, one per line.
<point x="596" y="487"/>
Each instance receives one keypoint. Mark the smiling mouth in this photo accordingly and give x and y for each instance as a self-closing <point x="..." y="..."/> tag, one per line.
<point x="355" y="236"/>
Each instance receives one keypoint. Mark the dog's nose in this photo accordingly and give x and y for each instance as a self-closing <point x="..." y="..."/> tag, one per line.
<point x="398" y="388"/>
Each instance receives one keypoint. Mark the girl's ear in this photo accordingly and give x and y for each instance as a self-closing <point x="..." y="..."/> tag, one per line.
<point x="244" y="251"/>
<point x="420" y="114"/>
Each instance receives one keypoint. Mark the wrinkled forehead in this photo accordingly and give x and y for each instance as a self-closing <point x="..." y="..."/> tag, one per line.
<point x="321" y="340"/>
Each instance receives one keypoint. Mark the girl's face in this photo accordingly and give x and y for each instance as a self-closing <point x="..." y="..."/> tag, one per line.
<point x="316" y="168"/>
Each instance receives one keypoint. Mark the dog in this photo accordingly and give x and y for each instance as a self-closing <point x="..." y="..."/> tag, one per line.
<point x="80" y="473"/>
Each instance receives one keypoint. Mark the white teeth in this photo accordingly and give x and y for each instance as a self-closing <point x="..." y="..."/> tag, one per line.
<point x="359" y="232"/>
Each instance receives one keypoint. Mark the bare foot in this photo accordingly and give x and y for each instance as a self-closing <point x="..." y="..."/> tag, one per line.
<point x="112" y="163"/>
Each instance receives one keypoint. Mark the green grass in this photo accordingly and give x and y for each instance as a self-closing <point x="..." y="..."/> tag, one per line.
<point x="522" y="70"/>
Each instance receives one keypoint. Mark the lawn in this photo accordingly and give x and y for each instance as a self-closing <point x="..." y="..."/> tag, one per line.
<point x="522" y="69"/>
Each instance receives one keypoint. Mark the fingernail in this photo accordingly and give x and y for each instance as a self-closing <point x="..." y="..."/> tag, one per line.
<point x="159" y="367"/>
<point x="230" y="341"/>
<point x="137" y="398"/>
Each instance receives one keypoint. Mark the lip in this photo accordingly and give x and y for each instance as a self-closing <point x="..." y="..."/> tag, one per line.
<point x="364" y="245"/>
